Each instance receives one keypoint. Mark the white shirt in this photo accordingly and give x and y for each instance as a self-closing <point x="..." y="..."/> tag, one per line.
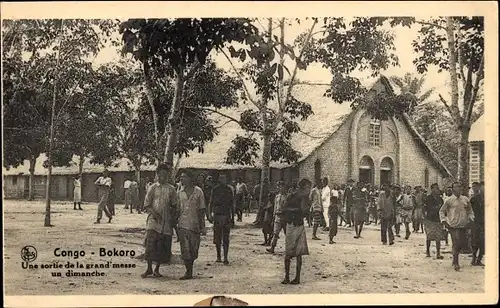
<point x="103" y="181"/>
<point x="126" y="184"/>
<point x="335" y="193"/>
<point x="325" y="196"/>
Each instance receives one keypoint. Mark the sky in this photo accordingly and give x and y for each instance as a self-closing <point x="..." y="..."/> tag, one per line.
<point x="316" y="73"/>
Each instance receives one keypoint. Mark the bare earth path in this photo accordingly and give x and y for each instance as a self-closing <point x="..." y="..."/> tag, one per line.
<point x="350" y="265"/>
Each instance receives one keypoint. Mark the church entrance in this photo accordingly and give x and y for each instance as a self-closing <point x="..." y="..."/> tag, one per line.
<point x="366" y="170"/>
<point x="386" y="171"/>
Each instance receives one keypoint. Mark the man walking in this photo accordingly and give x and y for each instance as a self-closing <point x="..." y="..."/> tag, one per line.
<point x="333" y="213"/>
<point x="103" y="185"/>
<point x="221" y="213"/>
<point x="161" y="204"/>
<point x="477" y="202"/>
<point x="77" y="193"/>
<point x="241" y="195"/>
<point x="418" y="209"/>
<point x="456" y="214"/>
<point x="386" y="204"/>
<point x="279" y="222"/>
<point x="316" y="207"/>
<point x="326" y="195"/>
<point x="191" y="221"/>
<point x="295" y="210"/>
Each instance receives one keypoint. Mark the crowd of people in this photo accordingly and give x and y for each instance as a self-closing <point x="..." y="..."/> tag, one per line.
<point x="183" y="207"/>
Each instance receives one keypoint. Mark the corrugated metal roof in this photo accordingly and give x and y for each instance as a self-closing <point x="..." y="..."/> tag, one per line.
<point x="477" y="130"/>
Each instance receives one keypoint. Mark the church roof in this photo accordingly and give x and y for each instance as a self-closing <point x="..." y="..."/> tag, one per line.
<point x="327" y="117"/>
<point x="477" y="130"/>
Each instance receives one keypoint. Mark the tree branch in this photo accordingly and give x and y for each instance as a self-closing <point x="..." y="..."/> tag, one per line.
<point x="461" y="63"/>
<point x="231" y="119"/>
<point x="257" y="104"/>
<point x="425" y="23"/>
<point x="475" y="90"/>
<point x="448" y="108"/>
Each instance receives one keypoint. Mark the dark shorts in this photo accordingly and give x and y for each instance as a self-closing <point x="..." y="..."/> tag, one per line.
<point x="222" y="228"/>
<point x="190" y="244"/>
<point x="158" y="247"/>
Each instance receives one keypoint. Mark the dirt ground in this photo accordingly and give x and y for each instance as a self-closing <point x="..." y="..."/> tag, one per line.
<point x="351" y="265"/>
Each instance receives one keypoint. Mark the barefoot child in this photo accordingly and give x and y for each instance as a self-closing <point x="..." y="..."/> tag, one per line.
<point x="162" y="205"/>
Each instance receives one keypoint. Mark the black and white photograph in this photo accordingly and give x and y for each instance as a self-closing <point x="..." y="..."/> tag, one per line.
<point x="222" y="154"/>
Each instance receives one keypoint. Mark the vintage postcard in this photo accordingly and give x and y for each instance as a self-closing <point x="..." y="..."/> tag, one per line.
<point x="249" y="153"/>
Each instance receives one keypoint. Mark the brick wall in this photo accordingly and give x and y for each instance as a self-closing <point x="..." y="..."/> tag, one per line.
<point x="333" y="155"/>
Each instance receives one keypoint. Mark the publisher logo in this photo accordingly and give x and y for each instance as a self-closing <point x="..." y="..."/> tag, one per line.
<point x="28" y="253"/>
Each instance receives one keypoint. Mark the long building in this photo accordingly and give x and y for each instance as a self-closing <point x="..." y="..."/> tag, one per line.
<point x="335" y="142"/>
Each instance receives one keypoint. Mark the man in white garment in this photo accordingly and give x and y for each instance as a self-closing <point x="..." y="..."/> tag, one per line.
<point x="126" y="189"/>
<point x="326" y="193"/>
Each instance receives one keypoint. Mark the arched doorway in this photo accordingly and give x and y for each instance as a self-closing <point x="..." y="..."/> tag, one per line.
<point x="317" y="170"/>
<point x="366" y="169"/>
<point x="386" y="171"/>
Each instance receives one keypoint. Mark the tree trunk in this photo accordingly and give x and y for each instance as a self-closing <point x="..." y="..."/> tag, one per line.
<point x="80" y="165"/>
<point x="150" y="96"/>
<point x="173" y="123"/>
<point x="463" y="158"/>
<point x="31" y="189"/>
<point x="265" y="171"/>
<point x="49" y="159"/>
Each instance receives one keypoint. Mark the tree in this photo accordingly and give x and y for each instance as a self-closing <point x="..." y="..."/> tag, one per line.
<point x="58" y="57"/>
<point x="414" y="85"/>
<point x="176" y="49"/>
<point x="455" y="45"/>
<point x="343" y="47"/>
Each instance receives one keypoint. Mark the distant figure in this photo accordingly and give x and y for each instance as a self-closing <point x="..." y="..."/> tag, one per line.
<point x="134" y="195"/>
<point x="418" y="210"/>
<point x="477" y="238"/>
<point x="316" y="207"/>
<point x="359" y="208"/>
<point x="103" y="185"/>
<point x="457" y="215"/>
<point x="77" y="193"/>
<point x="126" y="189"/>
<point x="342" y="203"/>
<point x="221" y="213"/>
<point x="241" y="195"/>
<point x="348" y="200"/>
<point x="279" y="222"/>
<point x="326" y="195"/>
<point x="407" y="210"/>
<point x="386" y="203"/>
<point x="294" y="211"/>
<point x="333" y="212"/>
<point x="267" y="222"/>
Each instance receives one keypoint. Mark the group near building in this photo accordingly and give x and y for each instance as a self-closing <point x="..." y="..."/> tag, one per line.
<point x="337" y="142"/>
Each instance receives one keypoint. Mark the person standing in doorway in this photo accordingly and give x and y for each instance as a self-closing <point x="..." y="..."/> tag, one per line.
<point x="326" y="195"/>
<point x="77" y="193"/>
<point x="279" y="223"/>
<point x="295" y="209"/>
<point x="126" y="189"/>
<point x="316" y="207"/>
<point x="434" y="230"/>
<point x="477" y="238"/>
<point x="348" y="201"/>
<point x="386" y="203"/>
<point x="221" y="213"/>
<point x="161" y="204"/>
<point x="456" y="215"/>
<point x="103" y="185"/>
<point x="359" y="208"/>
<point x="191" y="221"/>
